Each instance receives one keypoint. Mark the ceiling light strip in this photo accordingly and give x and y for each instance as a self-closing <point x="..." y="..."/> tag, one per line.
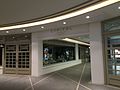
<point x="66" y="16"/>
<point x="75" y="41"/>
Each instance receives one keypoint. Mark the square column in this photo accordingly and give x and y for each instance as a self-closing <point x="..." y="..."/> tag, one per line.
<point x="96" y="52"/>
<point x="37" y="56"/>
<point x="76" y="52"/>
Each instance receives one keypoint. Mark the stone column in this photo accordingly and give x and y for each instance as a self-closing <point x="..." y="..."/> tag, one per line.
<point x="96" y="52"/>
<point x="37" y="56"/>
<point x="76" y="52"/>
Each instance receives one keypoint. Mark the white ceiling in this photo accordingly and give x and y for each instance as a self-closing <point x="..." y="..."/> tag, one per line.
<point x="97" y="15"/>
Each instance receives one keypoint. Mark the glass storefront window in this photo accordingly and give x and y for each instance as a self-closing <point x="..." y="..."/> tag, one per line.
<point x="57" y="53"/>
<point x="84" y="53"/>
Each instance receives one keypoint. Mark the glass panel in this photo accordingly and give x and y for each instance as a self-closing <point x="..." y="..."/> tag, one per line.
<point x="10" y="60"/>
<point x="23" y="56"/>
<point x="118" y="72"/>
<point x="57" y="53"/>
<point x="112" y="25"/>
<point x="112" y="72"/>
<point x="24" y="47"/>
<point x="10" y="47"/>
<point x="113" y="55"/>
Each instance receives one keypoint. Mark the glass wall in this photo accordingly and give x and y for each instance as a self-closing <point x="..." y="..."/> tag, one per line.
<point x="57" y="53"/>
<point x="0" y="56"/>
<point x="113" y="52"/>
<point x="111" y="33"/>
<point x="84" y="53"/>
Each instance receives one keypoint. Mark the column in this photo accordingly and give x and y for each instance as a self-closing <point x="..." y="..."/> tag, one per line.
<point x="37" y="56"/>
<point x="76" y="52"/>
<point x="96" y="52"/>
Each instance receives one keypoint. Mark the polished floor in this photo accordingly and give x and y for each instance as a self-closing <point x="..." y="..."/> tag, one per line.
<point x="73" y="78"/>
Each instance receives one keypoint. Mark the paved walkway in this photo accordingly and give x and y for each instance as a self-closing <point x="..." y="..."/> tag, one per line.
<point x="73" y="78"/>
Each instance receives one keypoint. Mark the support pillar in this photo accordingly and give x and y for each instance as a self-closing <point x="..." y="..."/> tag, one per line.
<point x="96" y="52"/>
<point x="76" y="52"/>
<point x="37" y="56"/>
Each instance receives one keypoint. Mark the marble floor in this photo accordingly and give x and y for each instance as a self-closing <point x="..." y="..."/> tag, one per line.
<point x="73" y="78"/>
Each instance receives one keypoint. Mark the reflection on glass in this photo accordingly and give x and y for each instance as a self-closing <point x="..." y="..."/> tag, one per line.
<point x="56" y="53"/>
<point x="118" y="72"/>
<point x="117" y="67"/>
<point x="114" y="55"/>
<point x="117" y="53"/>
<point x="84" y="53"/>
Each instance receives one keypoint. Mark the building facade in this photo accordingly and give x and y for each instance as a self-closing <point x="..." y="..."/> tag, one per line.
<point x="27" y="53"/>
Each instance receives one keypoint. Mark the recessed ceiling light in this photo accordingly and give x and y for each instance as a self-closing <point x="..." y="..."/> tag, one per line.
<point x="64" y="22"/>
<point x="26" y="36"/>
<point x="7" y="31"/>
<point x="87" y="17"/>
<point x="119" y="7"/>
<point x="24" y="30"/>
<point x="42" y="26"/>
<point x="63" y="17"/>
<point x="13" y="37"/>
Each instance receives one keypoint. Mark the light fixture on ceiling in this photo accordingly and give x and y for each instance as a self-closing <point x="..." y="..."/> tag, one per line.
<point x="24" y="30"/>
<point x="13" y="37"/>
<point x="42" y="27"/>
<point x="64" y="23"/>
<point x="66" y="16"/>
<point x="87" y="17"/>
<point x="7" y="31"/>
<point x="26" y="36"/>
<point x="75" y="41"/>
<point x="119" y="7"/>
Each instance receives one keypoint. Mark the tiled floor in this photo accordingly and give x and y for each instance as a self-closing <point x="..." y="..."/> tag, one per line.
<point x="73" y="78"/>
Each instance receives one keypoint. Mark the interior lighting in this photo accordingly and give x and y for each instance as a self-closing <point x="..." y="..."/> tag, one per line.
<point x="7" y="31"/>
<point x="119" y="7"/>
<point x="66" y="16"/>
<point x="26" y="36"/>
<point x="87" y="17"/>
<point x="42" y="27"/>
<point x="24" y="30"/>
<point x="75" y="41"/>
<point x="64" y="22"/>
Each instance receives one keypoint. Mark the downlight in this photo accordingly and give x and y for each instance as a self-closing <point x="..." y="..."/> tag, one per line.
<point x="62" y="17"/>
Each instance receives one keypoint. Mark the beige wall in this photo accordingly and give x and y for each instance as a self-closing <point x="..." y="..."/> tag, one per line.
<point x="94" y="29"/>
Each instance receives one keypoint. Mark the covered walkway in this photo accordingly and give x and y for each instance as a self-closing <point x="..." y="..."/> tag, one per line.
<point x="73" y="78"/>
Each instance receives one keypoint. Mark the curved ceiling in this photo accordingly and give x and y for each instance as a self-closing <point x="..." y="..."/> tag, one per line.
<point x="21" y="10"/>
<point x="16" y="14"/>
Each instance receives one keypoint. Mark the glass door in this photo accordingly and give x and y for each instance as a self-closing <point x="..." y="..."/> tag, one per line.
<point x="10" y="59"/>
<point x="24" y="59"/>
<point x="17" y="59"/>
<point x="113" y="59"/>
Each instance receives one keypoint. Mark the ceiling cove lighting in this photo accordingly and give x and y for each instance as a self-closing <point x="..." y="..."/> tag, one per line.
<point x="62" y="17"/>
<point x="75" y="41"/>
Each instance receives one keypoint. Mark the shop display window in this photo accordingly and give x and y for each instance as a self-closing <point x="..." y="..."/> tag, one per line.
<point x="57" y="53"/>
